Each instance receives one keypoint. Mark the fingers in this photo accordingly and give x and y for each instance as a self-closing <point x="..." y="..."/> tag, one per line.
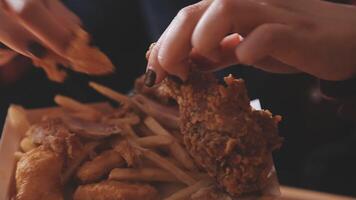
<point x="272" y="65"/>
<point x="227" y="55"/>
<point x="63" y="14"/>
<point x="215" y="24"/>
<point x="233" y="16"/>
<point x="170" y="55"/>
<point x="173" y="53"/>
<point x="202" y="33"/>
<point x="6" y="55"/>
<point x="262" y="42"/>
<point x="155" y="73"/>
<point x="39" y="20"/>
<point x="16" y="37"/>
<point x="266" y="36"/>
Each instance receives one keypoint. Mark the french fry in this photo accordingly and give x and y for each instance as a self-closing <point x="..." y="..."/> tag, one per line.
<point x="186" y="192"/>
<point x="129" y="131"/>
<point x="18" y="155"/>
<point x="88" y="148"/>
<point x="156" y="127"/>
<point x="27" y="145"/>
<point x="165" y="115"/>
<point x="93" y="170"/>
<point x="129" y="153"/>
<point x="143" y="131"/>
<point x="116" y="96"/>
<point x="142" y="174"/>
<point x="85" y="116"/>
<point x="85" y="111"/>
<point x="18" y="118"/>
<point x="146" y="163"/>
<point x="131" y="120"/>
<point x="176" y="149"/>
<point x="167" y="165"/>
<point x="154" y="141"/>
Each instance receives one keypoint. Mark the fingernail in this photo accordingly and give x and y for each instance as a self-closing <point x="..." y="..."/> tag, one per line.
<point x="150" y="78"/>
<point x="37" y="49"/>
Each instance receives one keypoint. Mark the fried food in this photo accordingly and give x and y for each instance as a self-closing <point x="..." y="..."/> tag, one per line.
<point x="18" y="118"/>
<point x="222" y="151"/>
<point x="223" y="134"/>
<point x="169" y="166"/>
<point x="95" y="169"/>
<point x="131" y="155"/>
<point x="38" y="175"/>
<point x="74" y="162"/>
<point x="150" y="92"/>
<point x="71" y="104"/>
<point x="186" y="192"/>
<point x="41" y="131"/>
<point x="142" y="174"/>
<point x="210" y="193"/>
<point x="167" y="116"/>
<point x="26" y="144"/>
<point x="90" y="129"/>
<point x="113" y="190"/>
<point x="154" y="141"/>
<point x="120" y="98"/>
<point x="176" y="149"/>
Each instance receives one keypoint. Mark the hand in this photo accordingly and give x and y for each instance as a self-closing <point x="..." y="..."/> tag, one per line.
<point x="36" y="28"/>
<point x="310" y="36"/>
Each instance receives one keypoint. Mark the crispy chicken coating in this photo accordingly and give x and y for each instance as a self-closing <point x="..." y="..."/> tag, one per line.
<point x="41" y="172"/>
<point x="38" y="175"/>
<point x="95" y="169"/>
<point x="114" y="190"/>
<point x="223" y="134"/>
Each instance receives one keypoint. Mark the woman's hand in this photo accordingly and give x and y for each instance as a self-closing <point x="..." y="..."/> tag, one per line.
<point x="36" y="28"/>
<point x="310" y="36"/>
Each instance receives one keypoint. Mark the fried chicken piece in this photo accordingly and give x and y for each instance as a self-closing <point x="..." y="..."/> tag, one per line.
<point x="223" y="134"/>
<point x="56" y="134"/>
<point x="101" y="165"/>
<point x="40" y="131"/>
<point x="130" y="154"/>
<point x="150" y="92"/>
<point x="38" y="175"/>
<point x="41" y="172"/>
<point x="210" y="193"/>
<point x="90" y="129"/>
<point x="114" y="190"/>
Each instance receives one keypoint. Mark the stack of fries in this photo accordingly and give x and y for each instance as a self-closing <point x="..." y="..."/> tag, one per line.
<point x="144" y="151"/>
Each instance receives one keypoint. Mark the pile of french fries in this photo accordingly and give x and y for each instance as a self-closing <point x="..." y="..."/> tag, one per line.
<point x="163" y="160"/>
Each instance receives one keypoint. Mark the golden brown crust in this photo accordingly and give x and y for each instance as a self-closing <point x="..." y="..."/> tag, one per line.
<point x="232" y="142"/>
<point x="38" y="175"/>
<point x="113" y="190"/>
<point x="101" y="165"/>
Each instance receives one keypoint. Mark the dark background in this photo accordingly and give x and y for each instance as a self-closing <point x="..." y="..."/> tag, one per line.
<point x="319" y="150"/>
